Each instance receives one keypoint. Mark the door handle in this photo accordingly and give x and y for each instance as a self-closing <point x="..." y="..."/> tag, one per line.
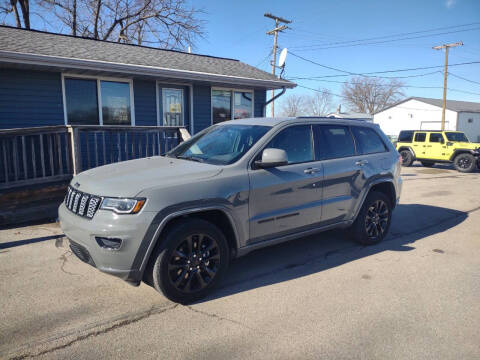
<point x="361" y="162"/>
<point x="310" y="170"/>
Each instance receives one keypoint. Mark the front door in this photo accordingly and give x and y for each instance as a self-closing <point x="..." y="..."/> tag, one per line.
<point x="286" y="198"/>
<point x="172" y="107"/>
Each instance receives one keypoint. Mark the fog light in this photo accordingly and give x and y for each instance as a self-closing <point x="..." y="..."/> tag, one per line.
<point x="108" y="243"/>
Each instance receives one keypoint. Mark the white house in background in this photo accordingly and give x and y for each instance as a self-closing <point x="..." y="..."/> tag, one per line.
<point x="417" y="113"/>
<point x="350" y="115"/>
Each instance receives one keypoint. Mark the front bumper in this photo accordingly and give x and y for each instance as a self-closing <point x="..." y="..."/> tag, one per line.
<point x="125" y="262"/>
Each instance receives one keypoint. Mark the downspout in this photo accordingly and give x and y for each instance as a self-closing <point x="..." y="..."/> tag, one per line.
<point x="274" y="98"/>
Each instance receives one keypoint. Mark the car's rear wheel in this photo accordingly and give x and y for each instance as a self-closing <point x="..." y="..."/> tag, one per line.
<point x="464" y="163"/>
<point x="373" y="221"/>
<point x="191" y="261"/>
<point x="407" y="157"/>
<point x="428" y="163"/>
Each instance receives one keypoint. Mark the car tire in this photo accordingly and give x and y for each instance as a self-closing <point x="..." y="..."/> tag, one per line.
<point x="407" y="158"/>
<point x="191" y="261"/>
<point x="464" y="163"/>
<point x="427" y="163"/>
<point x="373" y="221"/>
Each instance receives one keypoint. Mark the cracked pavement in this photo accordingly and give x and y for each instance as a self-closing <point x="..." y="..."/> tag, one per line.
<point x="413" y="296"/>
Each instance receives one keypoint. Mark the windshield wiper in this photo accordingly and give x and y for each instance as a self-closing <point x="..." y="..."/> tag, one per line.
<point x="190" y="158"/>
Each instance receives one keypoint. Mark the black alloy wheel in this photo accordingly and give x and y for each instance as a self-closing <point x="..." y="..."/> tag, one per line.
<point x="194" y="263"/>
<point x="373" y="220"/>
<point x="189" y="260"/>
<point x="464" y="163"/>
<point x="376" y="220"/>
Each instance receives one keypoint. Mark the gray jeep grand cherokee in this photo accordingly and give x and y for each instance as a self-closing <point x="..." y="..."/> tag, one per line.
<point x="175" y="221"/>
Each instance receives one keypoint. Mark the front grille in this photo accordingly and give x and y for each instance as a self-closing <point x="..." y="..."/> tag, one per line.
<point x="81" y="253"/>
<point x="81" y="203"/>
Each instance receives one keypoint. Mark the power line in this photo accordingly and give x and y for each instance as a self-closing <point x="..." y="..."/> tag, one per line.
<point x="321" y="47"/>
<point x="381" y="77"/>
<point x="377" y="72"/>
<point x="405" y="86"/>
<point x="392" y="35"/>
<point x="475" y="82"/>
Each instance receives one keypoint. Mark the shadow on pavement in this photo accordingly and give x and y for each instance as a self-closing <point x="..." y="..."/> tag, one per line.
<point x="305" y="256"/>
<point x="11" y="244"/>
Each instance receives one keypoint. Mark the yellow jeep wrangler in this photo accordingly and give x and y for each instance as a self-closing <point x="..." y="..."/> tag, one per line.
<point x="430" y="147"/>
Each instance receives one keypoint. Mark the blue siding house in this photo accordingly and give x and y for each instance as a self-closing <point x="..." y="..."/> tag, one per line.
<point x="51" y="79"/>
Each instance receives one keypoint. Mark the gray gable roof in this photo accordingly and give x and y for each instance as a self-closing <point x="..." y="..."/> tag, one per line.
<point x="454" y="105"/>
<point x="19" y="43"/>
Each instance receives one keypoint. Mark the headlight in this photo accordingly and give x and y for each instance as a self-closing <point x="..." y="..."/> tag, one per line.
<point x="122" y="206"/>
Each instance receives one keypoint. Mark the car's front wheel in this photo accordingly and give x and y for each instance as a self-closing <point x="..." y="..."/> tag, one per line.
<point x="191" y="261"/>
<point x="373" y="221"/>
<point x="464" y="163"/>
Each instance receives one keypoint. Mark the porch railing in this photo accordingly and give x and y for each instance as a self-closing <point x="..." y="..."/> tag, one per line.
<point x="54" y="153"/>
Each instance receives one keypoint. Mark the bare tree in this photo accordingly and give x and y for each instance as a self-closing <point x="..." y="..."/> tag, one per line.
<point x="293" y="105"/>
<point x="371" y="95"/>
<point x="319" y="103"/>
<point x="20" y="10"/>
<point x="165" y="23"/>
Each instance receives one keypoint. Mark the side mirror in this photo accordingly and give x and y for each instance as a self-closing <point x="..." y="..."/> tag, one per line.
<point x="272" y="157"/>
<point x="449" y="143"/>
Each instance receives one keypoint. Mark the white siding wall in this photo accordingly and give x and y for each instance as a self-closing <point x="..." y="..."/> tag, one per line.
<point x="414" y="115"/>
<point x="471" y="129"/>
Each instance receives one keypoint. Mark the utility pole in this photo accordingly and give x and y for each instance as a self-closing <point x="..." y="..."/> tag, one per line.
<point x="275" y="32"/>
<point x="445" y="72"/>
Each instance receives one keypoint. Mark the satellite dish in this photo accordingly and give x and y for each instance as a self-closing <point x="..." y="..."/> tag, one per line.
<point x="282" y="58"/>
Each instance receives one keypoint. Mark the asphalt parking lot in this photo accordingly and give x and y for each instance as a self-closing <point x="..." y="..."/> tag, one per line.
<point x="414" y="296"/>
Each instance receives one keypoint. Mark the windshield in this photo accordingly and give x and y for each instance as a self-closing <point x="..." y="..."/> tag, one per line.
<point x="456" y="136"/>
<point x="220" y="145"/>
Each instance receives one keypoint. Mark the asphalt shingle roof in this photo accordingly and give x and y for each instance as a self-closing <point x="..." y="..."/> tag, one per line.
<point x="41" y="43"/>
<point x="454" y="105"/>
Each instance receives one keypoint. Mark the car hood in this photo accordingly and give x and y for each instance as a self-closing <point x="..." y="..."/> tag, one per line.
<point x="128" y="178"/>
<point x="466" y="145"/>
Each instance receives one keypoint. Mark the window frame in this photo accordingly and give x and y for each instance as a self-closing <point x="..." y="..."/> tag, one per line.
<point x="350" y="131"/>
<point x="251" y="163"/>
<point x="418" y="133"/>
<point x="98" y="79"/>
<point x="358" y="147"/>
<point x="434" y="133"/>
<point x="232" y="94"/>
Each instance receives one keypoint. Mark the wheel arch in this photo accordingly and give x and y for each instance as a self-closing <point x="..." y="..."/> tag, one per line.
<point x="384" y="185"/>
<point x="217" y="215"/>
<point x="459" y="152"/>
<point x="401" y="148"/>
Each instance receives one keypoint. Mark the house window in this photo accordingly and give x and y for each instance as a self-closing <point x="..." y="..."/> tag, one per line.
<point x="81" y="100"/>
<point x="172" y="107"/>
<point x="115" y="103"/>
<point x="231" y="104"/>
<point x="97" y="101"/>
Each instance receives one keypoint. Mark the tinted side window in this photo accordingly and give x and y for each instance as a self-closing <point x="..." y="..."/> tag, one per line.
<point x="405" y="136"/>
<point x="297" y="143"/>
<point x="436" y="137"/>
<point x="420" y="137"/>
<point x="368" y="141"/>
<point x="332" y="141"/>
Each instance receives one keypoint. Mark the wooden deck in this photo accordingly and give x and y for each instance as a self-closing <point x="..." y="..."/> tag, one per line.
<point x="42" y="155"/>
